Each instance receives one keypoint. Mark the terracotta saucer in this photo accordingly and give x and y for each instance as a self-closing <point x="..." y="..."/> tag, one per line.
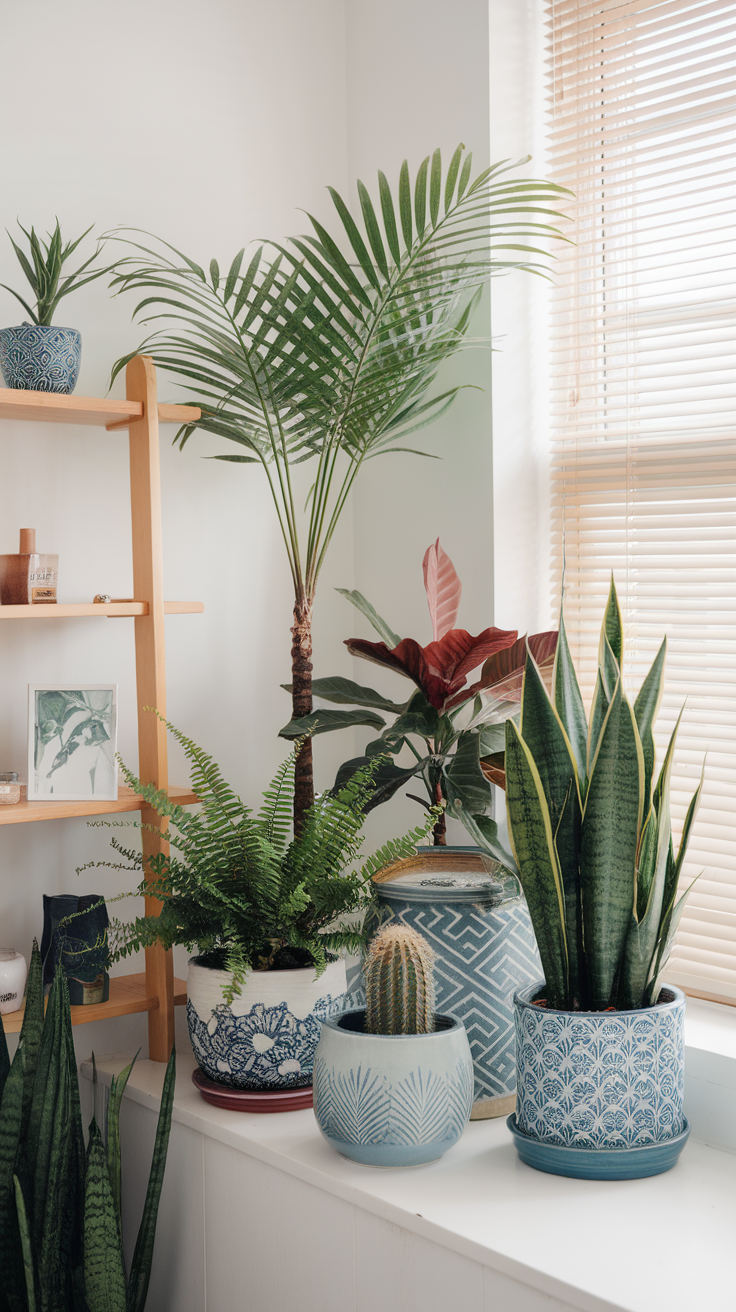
<point x="252" y="1100"/>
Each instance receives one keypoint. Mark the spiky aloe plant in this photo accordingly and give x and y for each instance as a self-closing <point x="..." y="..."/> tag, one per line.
<point x="399" y="982"/>
<point x="60" y="1218"/>
<point x="591" y="830"/>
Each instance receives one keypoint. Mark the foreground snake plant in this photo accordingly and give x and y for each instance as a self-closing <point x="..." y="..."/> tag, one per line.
<point x="61" y="1244"/>
<point x="591" y="829"/>
<point x="328" y="347"/>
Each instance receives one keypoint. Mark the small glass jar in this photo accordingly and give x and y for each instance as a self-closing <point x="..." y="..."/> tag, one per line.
<point x="9" y="788"/>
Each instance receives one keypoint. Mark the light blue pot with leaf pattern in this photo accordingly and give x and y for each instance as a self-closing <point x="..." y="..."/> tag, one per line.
<point x="392" y="1099"/>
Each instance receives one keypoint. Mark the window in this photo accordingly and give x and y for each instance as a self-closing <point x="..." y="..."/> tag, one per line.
<point x="643" y="355"/>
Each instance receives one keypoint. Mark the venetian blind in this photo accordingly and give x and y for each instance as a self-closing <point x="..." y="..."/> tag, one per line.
<point x="643" y="355"/>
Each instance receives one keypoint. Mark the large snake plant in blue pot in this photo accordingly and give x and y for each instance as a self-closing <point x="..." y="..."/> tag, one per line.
<point x="600" y="1048"/>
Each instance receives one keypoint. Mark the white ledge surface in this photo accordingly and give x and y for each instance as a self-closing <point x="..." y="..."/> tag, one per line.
<point x="659" y="1245"/>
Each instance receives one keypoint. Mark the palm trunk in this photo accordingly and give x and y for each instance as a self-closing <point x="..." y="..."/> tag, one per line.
<point x="301" y="702"/>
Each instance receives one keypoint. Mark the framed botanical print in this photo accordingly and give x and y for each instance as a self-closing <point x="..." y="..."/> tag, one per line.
<point x="72" y="741"/>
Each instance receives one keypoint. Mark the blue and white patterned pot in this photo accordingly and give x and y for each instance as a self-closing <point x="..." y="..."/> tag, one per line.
<point x="267" y="1038"/>
<point x="392" y="1099"/>
<point x="481" y="933"/>
<point x="603" y="1079"/>
<point x="40" y="357"/>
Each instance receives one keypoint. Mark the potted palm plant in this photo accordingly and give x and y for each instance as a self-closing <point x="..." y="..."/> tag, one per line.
<point x="328" y="347"/>
<point x="267" y="915"/>
<point x="600" y="1048"/>
<point x="39" y="356"/>
<point x="393" y="1083"/>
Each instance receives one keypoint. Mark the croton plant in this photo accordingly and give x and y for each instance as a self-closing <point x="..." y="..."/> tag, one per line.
<point x="452" y="730"/>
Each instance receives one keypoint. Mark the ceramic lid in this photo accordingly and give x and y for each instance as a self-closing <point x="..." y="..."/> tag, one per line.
<point x="440" y="874"/>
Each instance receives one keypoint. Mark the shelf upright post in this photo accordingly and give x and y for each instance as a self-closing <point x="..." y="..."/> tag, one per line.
<point x="145" y="503"/>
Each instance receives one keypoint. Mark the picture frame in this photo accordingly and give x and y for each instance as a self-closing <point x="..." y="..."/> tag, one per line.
<point x="72" y="742"/>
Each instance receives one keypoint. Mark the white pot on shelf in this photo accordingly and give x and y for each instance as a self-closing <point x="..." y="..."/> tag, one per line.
<point x="13" y="972"/>
<point x="267" y="1038"/>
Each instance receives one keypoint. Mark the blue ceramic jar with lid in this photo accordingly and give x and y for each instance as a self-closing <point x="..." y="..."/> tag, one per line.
<point x="476" y="919"/>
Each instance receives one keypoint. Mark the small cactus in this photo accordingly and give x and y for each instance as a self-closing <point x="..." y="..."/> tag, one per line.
<point x="399" y="982"/>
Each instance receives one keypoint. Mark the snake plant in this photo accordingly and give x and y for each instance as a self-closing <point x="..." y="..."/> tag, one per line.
<point x="60" y="1219"/>
<point x="591" y="829"/>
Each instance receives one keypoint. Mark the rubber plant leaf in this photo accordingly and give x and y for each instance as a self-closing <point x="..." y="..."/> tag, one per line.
<point x="443" y="589"/>
<point x="382" y="629"/>
<point x="346" y="692"/>
<point x="609" y="844"/>
<point x="104" y="1270"/>
<point x="503" y="674"/>
<point x="440" y="669"/>
<point x="387" y="780"/>
<point x="484" y="833"/>
<point x="544" y="735"/>
<point x="324" y="721"/>
<point x="140" y="1270"/>
<point x="533" y="841"/>
<point x="464" y="780"/>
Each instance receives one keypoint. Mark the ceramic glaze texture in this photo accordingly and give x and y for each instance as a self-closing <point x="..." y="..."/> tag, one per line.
<point x="40" y="358"/>
<point x="267" y="1038"/>
<point x="392" y="1100"/>
<point x="600" y="1079"/>
<point x="484" y="953"/>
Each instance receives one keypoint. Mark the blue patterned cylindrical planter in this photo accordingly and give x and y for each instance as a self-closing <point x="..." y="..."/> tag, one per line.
<point x="266" y="1039"/>
<point x="40" y="357"/>
<point x="479" y="927"/>
<point x="392" y="1099"/>
<point x="610" y="1079"/>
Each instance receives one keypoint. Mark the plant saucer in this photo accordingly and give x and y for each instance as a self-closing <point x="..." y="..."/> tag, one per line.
<point x="599" y="1163"/>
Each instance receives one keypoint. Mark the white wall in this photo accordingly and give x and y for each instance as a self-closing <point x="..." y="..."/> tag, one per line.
<point x="210" y="125"/>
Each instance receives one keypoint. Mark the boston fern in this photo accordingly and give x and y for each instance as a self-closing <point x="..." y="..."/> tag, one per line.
<point x="240" y="889"/>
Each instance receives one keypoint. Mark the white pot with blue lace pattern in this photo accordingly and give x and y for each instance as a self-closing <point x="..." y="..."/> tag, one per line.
<point x="266" y="1038"/>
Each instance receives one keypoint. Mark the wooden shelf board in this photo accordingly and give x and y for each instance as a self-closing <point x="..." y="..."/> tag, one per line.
<point x="24" y="812"/>
<point x="54" y="408"/>
<point x="127" y="996"/>
<point x="83" y="609"/>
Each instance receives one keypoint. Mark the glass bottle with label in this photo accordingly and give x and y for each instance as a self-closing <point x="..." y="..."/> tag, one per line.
<point x="28" y="578"/>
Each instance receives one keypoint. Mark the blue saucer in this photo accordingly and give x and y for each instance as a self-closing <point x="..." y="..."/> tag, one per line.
<point x="599" y="1163"/>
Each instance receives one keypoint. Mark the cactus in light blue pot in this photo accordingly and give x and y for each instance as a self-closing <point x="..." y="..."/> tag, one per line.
<point x="399" y="983"/>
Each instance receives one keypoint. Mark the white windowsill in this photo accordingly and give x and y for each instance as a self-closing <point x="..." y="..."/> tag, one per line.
<point x="597" y="1246"/>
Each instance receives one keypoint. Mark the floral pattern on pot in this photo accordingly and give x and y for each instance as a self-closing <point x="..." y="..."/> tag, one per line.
<point x="268" y="1048"/>
<point x="40" y="357"/>
<point x="600" y="1079"/>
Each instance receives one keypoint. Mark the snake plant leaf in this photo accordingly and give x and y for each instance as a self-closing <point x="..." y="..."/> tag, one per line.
<point x="533" y="842"/>
<point x="464" y="780"/>
<point x="117" y="1089"/>
<point x="646" y="709"/>
<point x="545" y="736"/>
<point x="608" y="845"/>
<point x="4" y="1058"/>
<point x="11" y="1118"/>
<point x="345" y="691"/>
<point x="606" y="680"/>
<point x="324" y="721"/>
<point x="655" y="861"/>
<point x="569" y="705"/>
<point x="613" y="626"/>
<point x="140" y="1270"/>
<point x="25" y="1243"/>
<point x="668" y="931"/>
<point x="104" y="1270"/>
<point x="484" y="833"/>
<point x="387" y="635"/>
